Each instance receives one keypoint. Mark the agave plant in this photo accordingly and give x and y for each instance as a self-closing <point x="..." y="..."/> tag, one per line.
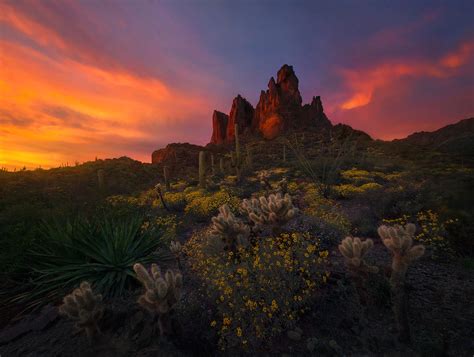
<point x="102" y="252"/>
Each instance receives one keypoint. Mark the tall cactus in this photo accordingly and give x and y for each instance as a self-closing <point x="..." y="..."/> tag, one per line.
<point x="399" y="240"/>
<point x="238" y="156"/>
<point x="213" y="168"/>
<point x="166" y="175"/>
<point x="284" y="153"/>
<point x="101" y="178"/>
<point x="162" y="292"/>
<point x="221" y="165"/>
<point x="249" y="158"/>
<point x="202" y="169"/>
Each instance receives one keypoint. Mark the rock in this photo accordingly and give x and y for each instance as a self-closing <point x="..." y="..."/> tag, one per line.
<point x="311" y="343"/>
<point x="280" y="106"/>
<point x="184" y="154"/>
<point x="313" y="115"/>
<point x="294" y="335"/>
<point x="219" y="127"/>
<point x="241" y="114"/>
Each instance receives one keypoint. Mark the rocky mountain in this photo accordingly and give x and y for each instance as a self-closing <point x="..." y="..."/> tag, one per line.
<point x="453" y="138"/>
<point x="278" y="110"/>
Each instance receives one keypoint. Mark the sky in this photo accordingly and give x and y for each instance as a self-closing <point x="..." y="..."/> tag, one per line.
<point x="81" y="79"/>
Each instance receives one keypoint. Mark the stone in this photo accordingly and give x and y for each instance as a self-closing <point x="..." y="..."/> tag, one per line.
<point x="241" y="114"/>
<point x="220" y="126"/>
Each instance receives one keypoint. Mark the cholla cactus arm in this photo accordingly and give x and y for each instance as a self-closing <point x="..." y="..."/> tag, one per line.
<point x="232" y="231"/>
<point x="162" y="292"/>
<point x="84" y="307"/>
<point x="353" y="251"/>
<point x="399" y="240"/>
<point x="175" y="247"/>
<point x="277" y="208"/>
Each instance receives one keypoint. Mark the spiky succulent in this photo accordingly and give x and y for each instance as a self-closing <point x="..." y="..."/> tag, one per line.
<point x="84" y="307"/>
<point x="275" y="210"/>
<point x="175" y="247"/>
<point x="230" y="230"/>
<point x="354" y="250"/>
<point x="162" y="291"/>
<point x="399" y="240"/>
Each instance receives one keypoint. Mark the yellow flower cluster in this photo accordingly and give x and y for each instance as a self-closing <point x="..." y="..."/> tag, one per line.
<point x="432" y="232"/>
<point x="325" y="209"/>
<point x="259" y="291"/>
<point x="203" y="204"/>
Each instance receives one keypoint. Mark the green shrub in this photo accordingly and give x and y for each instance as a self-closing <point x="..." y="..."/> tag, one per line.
<point x="101" y="252"/>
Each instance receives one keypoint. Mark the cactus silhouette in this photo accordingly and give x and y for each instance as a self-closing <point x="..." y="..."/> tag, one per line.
<point x="229" y="229"/>
<point x="399" y="240"/>
<point x="84" y="307"/>
<point x="202" y="169"/>
<point x="353" y="251"/>
<point x="276" y="210"/>
<point x="162" y="292"/>
<point x="166" y="174"/>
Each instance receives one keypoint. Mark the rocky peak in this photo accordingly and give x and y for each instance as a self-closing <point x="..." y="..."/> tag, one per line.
<point x="241" y="114"/>
<point x="278" y="110"/>
<point x="288" y="83"/>
<point x="219" y="127"/>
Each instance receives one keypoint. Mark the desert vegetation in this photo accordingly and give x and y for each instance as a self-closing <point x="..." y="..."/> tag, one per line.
<point x="275" y="249"/>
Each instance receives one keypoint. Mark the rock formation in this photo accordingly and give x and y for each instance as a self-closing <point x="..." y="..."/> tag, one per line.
<point x="182" y="153"/>
<point x="219" y="127"/>
<point x="241" y="114"/>
<point x="278" y="110"/>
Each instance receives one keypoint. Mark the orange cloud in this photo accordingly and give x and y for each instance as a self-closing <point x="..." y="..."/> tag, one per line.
<point x="50" y="107"/>
<point x="363" y="83"/>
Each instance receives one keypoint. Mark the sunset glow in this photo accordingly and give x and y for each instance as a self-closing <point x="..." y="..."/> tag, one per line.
<point x="80" y="79"/>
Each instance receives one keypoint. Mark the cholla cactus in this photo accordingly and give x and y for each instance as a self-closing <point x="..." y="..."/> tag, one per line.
<point x="229" y="229"/>
<point x="251" y="208"/>
<point x="277" y="209"/>
<point x="162" y="292"/>
<point x="175" y="247"/>
<point x="84" y="307"/>
<point x="399" y="240"/>
<point x="354" y="250"/>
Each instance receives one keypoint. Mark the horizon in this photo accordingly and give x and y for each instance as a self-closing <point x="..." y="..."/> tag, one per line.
<point x="110" y="79"/>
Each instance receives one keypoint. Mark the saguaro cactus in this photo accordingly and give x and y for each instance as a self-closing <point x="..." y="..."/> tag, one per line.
<point x="84" y="307"/>
<point x="101" y="178"/>
<point x="202" y="169"/>
<point x="221" y="165"/>
<point x="212" y="165"/>
<point x="166" y="175"/>
<point x="399" y="240"/>
<point x="162" y="292"/>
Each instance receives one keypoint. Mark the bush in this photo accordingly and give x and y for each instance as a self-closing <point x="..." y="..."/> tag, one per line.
<point x="202" y="205"/>
<point x="260" y="291"/>
<point x="326" y="211"/>
<point x="101" y="252"/>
